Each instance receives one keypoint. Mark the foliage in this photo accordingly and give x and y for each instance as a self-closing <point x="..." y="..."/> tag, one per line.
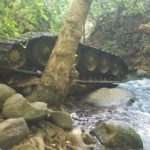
<point x="58" y="13"/>
<point x="102" y="8"/>
<point x="22" y="16"/>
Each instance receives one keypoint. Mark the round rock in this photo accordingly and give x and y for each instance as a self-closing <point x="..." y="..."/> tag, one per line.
<point x="5" y="93"/>
<point x="62" y="119"/>
<point x="12" y="131"/>
<point x="117" y="135"/>
<point x="107" y="97"/>
<point x="18" y="106"/>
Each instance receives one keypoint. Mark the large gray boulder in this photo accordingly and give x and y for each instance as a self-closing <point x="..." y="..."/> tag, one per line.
<point x="18" y="106"/>
<point x="108" y="97"/>
<point x="12" y="132"/>
<point x="5" y="93"/>
<point x="62" y="119"/>
<point x="117" y="135"/>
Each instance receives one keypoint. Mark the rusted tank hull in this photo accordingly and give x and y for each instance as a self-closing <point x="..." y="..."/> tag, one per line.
<point x="31" y="53"/>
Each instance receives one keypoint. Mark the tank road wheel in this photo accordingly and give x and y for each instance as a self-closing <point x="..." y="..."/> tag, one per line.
<point x="115" y="68"/>
<point x="17" y="56"/>
<point x="40" y="51"/>
<point x="90" y="60"/>
<point x="104" y="64"/>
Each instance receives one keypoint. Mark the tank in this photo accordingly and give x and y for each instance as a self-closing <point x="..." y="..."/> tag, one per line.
<point x="27" y="56"/>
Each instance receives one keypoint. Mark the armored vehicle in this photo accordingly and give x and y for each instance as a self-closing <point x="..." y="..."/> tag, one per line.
<point x="27" y="56"/>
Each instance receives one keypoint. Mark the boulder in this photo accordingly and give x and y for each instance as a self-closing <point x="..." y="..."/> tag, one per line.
<point x="12" y="132"/>
<point x="75" y="137"/>
<point x="141" y="73"/>
<point x="18" y="106"/>
<point x="62" y="119"/>
<point x="5" y="93"/>
<point x="88" y="139"/>
<point x="39" y="106"/>
<point x="108" y="97"/>
<point x="54" y="132"/>
<point x="117" y="135"/>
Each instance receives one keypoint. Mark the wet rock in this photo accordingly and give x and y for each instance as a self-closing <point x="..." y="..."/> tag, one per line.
<point x="108" y="97"/>
<point x="51" y="131"/>
<point x="117" y="135"/>
<point x="27" y="91"/>
<point x="39" y="106"/>
<point x="75" y="136"/>
<point x="62" y="119"/>
<point x="54" y="132"/>
<point x="88" y="139"/>
<point x="142" y="73"/>
<point x="17" y="106"/>
<point x="5" y="93"/>
<point x="12" y="131"/>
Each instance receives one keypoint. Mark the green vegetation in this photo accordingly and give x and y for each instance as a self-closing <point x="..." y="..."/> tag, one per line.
<point x="101" y="9"/>
<point x="23" y="16"/>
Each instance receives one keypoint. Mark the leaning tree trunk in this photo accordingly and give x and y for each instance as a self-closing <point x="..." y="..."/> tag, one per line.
<point x="57" y="77"/>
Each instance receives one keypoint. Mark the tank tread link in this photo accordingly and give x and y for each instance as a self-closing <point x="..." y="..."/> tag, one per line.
<point x="31" y="52"/>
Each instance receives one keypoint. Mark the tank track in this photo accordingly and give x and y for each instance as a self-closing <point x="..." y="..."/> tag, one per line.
<point x="31" y="52"/>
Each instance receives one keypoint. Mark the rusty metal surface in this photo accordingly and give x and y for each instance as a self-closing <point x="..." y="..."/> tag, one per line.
<point x="85" y="76"/>
<point x="6" y="46"/>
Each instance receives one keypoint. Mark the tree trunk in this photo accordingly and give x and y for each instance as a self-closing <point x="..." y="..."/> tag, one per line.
<point x="58" y="74"/>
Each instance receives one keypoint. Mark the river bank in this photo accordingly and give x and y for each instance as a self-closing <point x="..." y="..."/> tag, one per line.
<point x="137" y="114"/>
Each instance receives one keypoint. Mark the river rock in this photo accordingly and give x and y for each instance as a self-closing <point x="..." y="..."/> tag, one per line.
<point x="26" y="91"/>
<point x="75" y="137"/>
<point x="5" y="92"/>
<point x="142" y="73"/>
<point x="12" y="131"/>
<point x="39" y="106"/>
<point x="88" y="139"/>
<point x="62" y="119"/>
<point x="18" y="106"/>
<point x="107" y="97"/>
<point x="117" y="135"/>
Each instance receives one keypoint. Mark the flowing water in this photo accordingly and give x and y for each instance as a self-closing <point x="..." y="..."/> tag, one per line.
<point x="137" y="114"/>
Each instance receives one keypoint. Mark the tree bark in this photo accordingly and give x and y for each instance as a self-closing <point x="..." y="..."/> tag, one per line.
<point x="58" y="74"/>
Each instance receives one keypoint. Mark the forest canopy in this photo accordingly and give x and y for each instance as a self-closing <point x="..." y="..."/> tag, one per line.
<point x="24" y="16"/>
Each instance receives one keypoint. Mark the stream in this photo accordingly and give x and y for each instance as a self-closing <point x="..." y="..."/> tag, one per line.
<point x="136" y="114"/>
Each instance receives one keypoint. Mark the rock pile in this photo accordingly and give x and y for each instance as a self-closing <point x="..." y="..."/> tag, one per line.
<point x="33" y="126"/>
